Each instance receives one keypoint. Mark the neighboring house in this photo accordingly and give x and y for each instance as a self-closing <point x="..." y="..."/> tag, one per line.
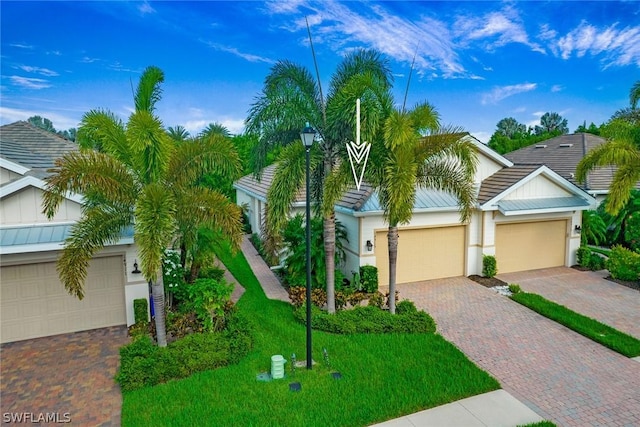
<point x="33" y="301"/>
<point x="562" y="154"/>
<point x="529" y="217"/>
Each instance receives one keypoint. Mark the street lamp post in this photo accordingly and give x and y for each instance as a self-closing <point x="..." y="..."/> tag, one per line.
<point x="307" y="135"/>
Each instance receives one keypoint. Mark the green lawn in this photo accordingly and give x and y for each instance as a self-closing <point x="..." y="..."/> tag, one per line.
<point x="384" y="376"/>
<point x="590" y="328"/>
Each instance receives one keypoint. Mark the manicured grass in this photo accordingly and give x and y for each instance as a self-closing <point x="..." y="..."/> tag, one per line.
<point x="590" y="328"/>
<point x="383" y="376"/>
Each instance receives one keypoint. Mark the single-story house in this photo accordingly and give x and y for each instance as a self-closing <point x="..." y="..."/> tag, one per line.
<point x="529" y="217"/>
<point x="33" y="301"/>
<point x="562" y="154"/>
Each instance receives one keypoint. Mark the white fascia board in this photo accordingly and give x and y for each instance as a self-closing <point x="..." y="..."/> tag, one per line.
<point x="250" y="193"/>
<point x="13" y="167"/>
<point x="32" y="181"/>
<point x="543" y="211"/>
<point x="47" y="247"/>
<point x="542" y="170"/>
<point x="487" y="151"/>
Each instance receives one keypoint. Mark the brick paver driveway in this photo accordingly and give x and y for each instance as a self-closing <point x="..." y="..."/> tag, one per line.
<point x="585" y="292"/>
<point x="64" y="374"/>
<point x="558" y="373"/>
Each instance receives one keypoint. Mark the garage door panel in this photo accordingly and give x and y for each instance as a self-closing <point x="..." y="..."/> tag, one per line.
<point x="531" y="245"/>
<point x="423" y="254"/>
<point x="34" y="303"/>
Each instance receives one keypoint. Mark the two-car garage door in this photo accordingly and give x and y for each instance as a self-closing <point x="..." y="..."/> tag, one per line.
<point x="530" y="245"/>
<point x="423" y="254"/>
<point x="35" y="304"/>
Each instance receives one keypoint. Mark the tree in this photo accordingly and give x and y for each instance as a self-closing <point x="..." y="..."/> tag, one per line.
<point x="510" y="127"/>
<point x="216" y="129"/>
<point x="592" y="129"/>
<point x="443" y="160"/>
<point x="178" y="133"/>
<point x="621" y="150"/>
<point x="139" y="178"/>
<point x="634" y="95"/>
<point x="552" y="123"/>
<point x="289" y="99"/>
<point x="594" y="228"/>
<point x="46" y="124"/>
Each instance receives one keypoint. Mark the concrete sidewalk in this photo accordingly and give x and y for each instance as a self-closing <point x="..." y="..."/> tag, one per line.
<point x="496" y="408"/>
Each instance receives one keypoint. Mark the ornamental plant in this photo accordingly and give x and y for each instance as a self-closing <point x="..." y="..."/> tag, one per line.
<point x="173" y="276"/>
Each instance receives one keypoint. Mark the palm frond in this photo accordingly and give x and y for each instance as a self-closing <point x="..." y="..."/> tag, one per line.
<point x="150" y="144"/>
<point x="154" y="227"/>
<point x="624" y="180"/>
<point x="335" y="185"/>
<point x="360" y="61"/>
<point x="149" y="91"/>
<point x="634" y="94"/>
<point x="92" y="232"/>
<point x="103" y="131"/>
<point x="90" y="173"/>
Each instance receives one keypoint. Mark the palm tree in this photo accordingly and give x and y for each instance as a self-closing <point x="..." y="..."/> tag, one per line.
<point x="552" y="122"/>
<point x="509" y="127"/>
<point x="140" y="178"/>
<point x="216" y="128"/>
<point x="443" y="160"/>
<point x="621" y="150"/>
<point x="289" y="99"/>
<point x="634" y="95"/>
<point x="178" y="133"/>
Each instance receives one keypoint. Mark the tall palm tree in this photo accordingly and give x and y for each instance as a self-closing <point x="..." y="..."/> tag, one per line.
<point x="140" y="178"/>
<point x="216" y="128"/>
<point x="621" y="150"/>
<point x="178" y="133"/>
<point x="442" y="160"/>
<point x="289" y="99"/>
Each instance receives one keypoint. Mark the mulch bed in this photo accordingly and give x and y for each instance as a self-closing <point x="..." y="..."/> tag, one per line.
<point x="488" y="282"/>
<point x="633" y="285"/>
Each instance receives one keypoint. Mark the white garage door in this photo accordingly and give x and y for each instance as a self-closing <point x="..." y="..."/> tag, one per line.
<point x="530" y="245"/>
<point x="423" y="254"/>
<point x="35" y="304"/>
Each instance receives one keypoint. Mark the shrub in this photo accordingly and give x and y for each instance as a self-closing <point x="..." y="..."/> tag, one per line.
<point x="207" y="298"/>
<point x="489" y="266"/>
<point x="214" y="273"/>
<point x="297" y="295"/>
<point x="369" y="278"/>
<point x="376" y="299"/>
<point x="514" y="288"/>
<point x="140" y="310"/>
<point x="405" y="306"/>
<point x="142" y="364"/>
<point x="583" y="255"/>
<point x="596" y="262"/>
<point x="367" y="320"/>
<point x="624" y="264"/>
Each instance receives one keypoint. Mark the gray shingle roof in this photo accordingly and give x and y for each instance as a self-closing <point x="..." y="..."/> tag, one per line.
<point x="562" y="154"/>
<point x="32" y="147"/>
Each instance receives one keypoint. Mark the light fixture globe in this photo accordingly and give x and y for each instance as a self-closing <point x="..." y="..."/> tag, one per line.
<point x="307" y="136"/>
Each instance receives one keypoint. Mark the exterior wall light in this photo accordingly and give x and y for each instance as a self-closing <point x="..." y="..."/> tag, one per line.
<point x="135" y="268"/>
<point x="369" y="245"/>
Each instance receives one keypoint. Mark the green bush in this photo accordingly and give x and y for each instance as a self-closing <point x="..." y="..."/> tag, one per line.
<point x="368" y="320"/>
<point x="140" y="310"/>
<point x="207" y="298"/>
<point x="583" y="255"/>
<point x="624" y="264"/>
<point x="489" y="266"/>
<point x="214" y="273"/>
<point x="143" y="364"/>
<point x="369" y="278"/>
<point x="514" y="288"/>
<point x="596" y="262"/>
<point x="405" y="307"/>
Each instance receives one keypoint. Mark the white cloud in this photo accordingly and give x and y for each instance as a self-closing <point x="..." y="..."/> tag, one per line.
<point x="38" y="70"/>
<point x="61" y="122"/>
<point x="235" y="126"/>
<point x="146" y="8"/>
<point x="556" y="88"/>
<point x="234" y="51"/>
<point x="21" y="46"/>
<point x="88" y="60"/>
<point x="499" y="93"/>
<point x="616" y="46"/>
<point x="29" y="83"/>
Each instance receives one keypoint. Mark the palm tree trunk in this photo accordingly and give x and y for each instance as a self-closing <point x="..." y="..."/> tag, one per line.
<point x="157" y="291"/>
<point x="329" y="233"/>
<point x="392" y="238"/>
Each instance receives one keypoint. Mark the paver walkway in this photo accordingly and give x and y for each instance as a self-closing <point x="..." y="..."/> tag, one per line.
<point x="270" y="283"/>
<point x="585" y="292"/>
<point x="558" y="373"/>
<point x="68" y="374"/>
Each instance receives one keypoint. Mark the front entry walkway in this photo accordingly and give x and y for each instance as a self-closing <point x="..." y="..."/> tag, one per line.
<point x="585" y="292"/>
<point x="65" y="377"/>
<point x="558" y="373"/>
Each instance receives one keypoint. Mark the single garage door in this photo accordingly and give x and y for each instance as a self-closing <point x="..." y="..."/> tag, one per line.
<point x="530" y="245"/>
<point x="423" y="254"/>
<point x="35" y="304"/>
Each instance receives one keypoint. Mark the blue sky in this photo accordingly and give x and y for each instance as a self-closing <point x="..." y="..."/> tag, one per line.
<point x="477" y="62"/>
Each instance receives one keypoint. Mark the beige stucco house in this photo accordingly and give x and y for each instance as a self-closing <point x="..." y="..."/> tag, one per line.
<point x="33" y="302"/>
<point x="528" y="216"/>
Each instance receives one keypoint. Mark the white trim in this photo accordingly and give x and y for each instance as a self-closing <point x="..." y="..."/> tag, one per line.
<point x="484" y="149"/>
<point x="47" y="247"/>
<point x="13" y="167"/>
<point x="32" y="181"/>
<point x="543" y="211"/>
<point x="542" y="170"/>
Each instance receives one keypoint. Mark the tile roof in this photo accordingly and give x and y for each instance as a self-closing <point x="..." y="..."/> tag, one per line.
<point x="502" y="180"/>
<point x="32" y="147"/>
<point x="562" y="154"/>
